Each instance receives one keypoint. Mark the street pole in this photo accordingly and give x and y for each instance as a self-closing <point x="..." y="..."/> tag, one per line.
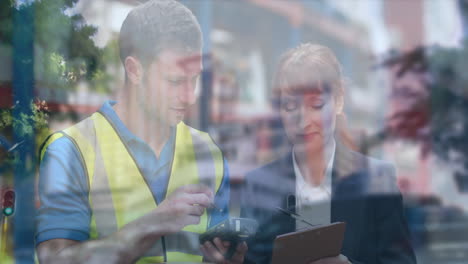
<point x="23" y="83"/>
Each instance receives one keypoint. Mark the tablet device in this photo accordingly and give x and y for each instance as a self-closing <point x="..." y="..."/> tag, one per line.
<point x="308" y="245"/>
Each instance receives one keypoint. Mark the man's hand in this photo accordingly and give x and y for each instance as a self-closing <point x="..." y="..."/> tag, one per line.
<point x="216" y="251"/>
<point x="341" y="259"/>
<point x="184" y="207"/>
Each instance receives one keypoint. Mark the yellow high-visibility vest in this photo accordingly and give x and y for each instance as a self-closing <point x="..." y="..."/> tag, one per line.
<point x="119" y="194"/>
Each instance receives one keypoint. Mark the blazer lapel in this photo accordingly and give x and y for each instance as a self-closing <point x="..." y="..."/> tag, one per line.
<point x="348" y="203"/>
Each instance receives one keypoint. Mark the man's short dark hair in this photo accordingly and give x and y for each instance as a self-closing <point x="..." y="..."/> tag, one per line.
<point x="158" y="25"/>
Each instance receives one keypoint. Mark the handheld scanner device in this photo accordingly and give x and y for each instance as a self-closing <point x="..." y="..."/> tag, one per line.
<point x="234" y="230"/>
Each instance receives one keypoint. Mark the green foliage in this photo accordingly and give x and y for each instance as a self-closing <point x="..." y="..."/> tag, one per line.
<point x="34" y="125"/>
<point x="65" y="53"/>
<point x="441" y="110"/>
<point x="26" y="125"/>
<point x="110" y="56"/>
<point x="449" y="101"/>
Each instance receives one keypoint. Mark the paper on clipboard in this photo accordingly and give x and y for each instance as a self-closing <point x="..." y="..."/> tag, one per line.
<point x="309" y="245"/>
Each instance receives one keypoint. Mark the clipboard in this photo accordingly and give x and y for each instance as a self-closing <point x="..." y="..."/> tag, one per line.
<point x="302" y="247"/>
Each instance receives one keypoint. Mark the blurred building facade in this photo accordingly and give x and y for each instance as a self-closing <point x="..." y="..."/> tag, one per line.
<point x="244" y="40"/>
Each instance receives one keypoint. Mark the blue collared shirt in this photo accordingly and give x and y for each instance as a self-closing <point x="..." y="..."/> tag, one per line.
<point x="63" y="188"/>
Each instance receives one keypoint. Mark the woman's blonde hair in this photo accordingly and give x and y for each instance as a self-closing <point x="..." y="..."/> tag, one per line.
<point x="312" y="67"/>
<point x="308" y="66"/>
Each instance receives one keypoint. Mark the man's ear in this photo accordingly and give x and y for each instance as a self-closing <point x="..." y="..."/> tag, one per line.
<point x="133" y="69"/>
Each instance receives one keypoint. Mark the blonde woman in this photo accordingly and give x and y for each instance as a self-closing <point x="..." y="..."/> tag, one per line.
<point x="321" y="179"/>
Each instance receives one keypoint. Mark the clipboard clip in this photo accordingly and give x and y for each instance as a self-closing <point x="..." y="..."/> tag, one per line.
<point x="294" y="215"/>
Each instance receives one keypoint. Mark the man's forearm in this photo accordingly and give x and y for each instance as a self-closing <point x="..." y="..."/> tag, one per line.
<point x="124" y="246"/>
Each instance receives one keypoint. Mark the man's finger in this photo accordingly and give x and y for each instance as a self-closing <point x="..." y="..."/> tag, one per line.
<point x="205" y="253"/>
<point x="219" y="244"/>
<point x="199" y="198"/>
<point x="239" y="255"/>
<point x="213" y="252"/>
<point x="196" y="210"/>
<point x="197" y="188"/>
<point x="243" y="247"/>
<point x="193" y="220"/>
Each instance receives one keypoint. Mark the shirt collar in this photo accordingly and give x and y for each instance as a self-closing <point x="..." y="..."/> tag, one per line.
<point x="328" y="171"/>
<point x="125" y="133"/>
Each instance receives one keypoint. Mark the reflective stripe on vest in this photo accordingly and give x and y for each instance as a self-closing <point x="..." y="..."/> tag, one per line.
<point x="119" y="193"/>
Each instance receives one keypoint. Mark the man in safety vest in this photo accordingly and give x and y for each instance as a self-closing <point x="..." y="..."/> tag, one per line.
<point x="132" y="182"/>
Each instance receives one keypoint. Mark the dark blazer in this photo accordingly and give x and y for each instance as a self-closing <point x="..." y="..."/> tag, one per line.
<point x="364" y="195"/>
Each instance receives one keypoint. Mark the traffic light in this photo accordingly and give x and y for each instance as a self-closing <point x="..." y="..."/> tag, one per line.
<point x="8" y="204"/>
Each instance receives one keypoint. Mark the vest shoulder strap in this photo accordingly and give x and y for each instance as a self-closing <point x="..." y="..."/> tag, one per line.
<point x="204" y="147"/>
